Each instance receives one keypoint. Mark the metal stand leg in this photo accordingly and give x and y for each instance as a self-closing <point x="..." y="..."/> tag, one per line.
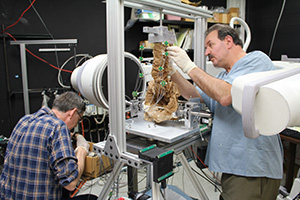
<point x="155" y="191"/>
<point x="155" y="187"/>
<point x="114" y="174"/>
<point x="217" y="175"/>
<point x="24" y="78"/>
<point x="22" y="45"/>
<point x="193" y="179"/>
<point x="132" y="179"/>
<point x="149" y="177"/>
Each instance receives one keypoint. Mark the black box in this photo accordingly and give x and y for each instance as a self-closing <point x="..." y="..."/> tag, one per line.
<point x="162" y="162"/>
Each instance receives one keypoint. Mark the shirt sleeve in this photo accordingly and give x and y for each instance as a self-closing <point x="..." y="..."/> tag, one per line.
<point x="253" y="62"/>
<point x="63" y="161"/>
<point x="209" y="102"/>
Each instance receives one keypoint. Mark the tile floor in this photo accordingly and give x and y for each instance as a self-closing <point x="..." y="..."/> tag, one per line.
<point x="179" y="179"/>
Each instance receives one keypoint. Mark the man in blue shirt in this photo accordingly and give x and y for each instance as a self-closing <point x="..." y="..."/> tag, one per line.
<point x="40" y="160"/>
<point x="251" y="168"/>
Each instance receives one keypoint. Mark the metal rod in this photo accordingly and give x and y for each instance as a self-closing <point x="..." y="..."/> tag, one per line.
<point x="132" y="179"/>
<point x="149" y="178"/>
<point x="201" y="114"/>
<point x="24" y="78"/>
<point x="198" y="9"/>
<point x="56" y="41"/>
<point x="194" y="180"/>
<point x="113" y="175"/>
<point x="155" y="9"/>
<point x="22" y="44"/>
<point x="175" y="7"/>
<point x="160" y="17"/>
<point x="200" y="27"/>
<point x="116" y="72"/>
<point x="7" y="82"/>
<point x="155" y="186"/>
<point x="178" y="14"/>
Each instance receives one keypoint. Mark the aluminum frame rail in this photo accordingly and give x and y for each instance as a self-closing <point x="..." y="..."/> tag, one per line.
<point x="116" y="74"/>
<point x="200" y="26"/>
<point x="199" y="14"/>
<point x="22" y="44"/>
<point x="115" y="50"/>
<point x="170" y="6"/>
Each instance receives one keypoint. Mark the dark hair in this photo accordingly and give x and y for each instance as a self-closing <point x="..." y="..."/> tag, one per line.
<point x="223" y="31"/>
<point x="68" y="101"/>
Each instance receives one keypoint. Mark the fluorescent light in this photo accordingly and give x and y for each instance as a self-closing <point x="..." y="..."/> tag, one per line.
<point x="54" y="49"/>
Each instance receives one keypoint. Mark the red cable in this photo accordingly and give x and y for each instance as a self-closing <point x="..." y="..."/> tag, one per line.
<point x="204" y="164"/>
<point x="82" y="128"/>
<point x="79" y="187"/>
<point x="19" y="17"/>
<point x="26" y="48"/>
<point x="10" y="36"/>
<point x="64" y="70"/>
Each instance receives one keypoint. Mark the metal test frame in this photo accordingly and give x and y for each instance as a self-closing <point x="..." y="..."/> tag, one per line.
<point x="115" y="146"/>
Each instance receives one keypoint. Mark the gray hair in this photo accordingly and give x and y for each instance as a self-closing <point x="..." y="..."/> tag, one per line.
<point x="68" y="101"/>
<point x="223" y="31"/>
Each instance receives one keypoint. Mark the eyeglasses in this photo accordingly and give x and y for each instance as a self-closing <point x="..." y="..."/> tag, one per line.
<point x="81" y="117"/>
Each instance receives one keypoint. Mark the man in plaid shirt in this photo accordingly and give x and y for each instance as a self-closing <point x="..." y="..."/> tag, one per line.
<point x="40" y="160"/>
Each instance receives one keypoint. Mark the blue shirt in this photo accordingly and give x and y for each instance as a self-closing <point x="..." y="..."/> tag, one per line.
<point x="229" y="151"/>
<point x="39" y="158"/>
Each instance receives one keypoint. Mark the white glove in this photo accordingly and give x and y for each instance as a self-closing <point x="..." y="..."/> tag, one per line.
<point x="181" y="58"/>
<point x="82" y="143"/>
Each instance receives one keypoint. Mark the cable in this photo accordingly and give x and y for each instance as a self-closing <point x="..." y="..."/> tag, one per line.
<point x="39" y="57"/>
<point x="276" y="27"/>
<point x="42" y="21"/>
<point x="208" y="180"/>
<point x="88" y="129"/>
<point x="59" y="78"/>
<point x="103" y="118"/>
<point x="19" y="18"/>
<point x="48" y="62"/>
<point x="78" y="188"/>
<point x="208" y="177"/>
<point x="158" y="91"/>
<point x="90" y="192"/>
<point x="163" y="196"/>
<point x="82" y="128"/>
<point x="4" y="31"/>
<point x="204" y="164"/>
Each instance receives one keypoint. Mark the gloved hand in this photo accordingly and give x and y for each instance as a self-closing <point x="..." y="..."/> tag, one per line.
<point x="181" y="58"/>
<point x="81" y="143"/>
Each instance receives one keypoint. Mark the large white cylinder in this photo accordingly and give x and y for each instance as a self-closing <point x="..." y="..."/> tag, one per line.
<point x="276" y="105"/>
<point x="88" y="78"/>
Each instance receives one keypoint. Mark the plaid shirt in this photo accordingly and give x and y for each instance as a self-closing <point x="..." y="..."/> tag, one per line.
<point x="39" y="158"/>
